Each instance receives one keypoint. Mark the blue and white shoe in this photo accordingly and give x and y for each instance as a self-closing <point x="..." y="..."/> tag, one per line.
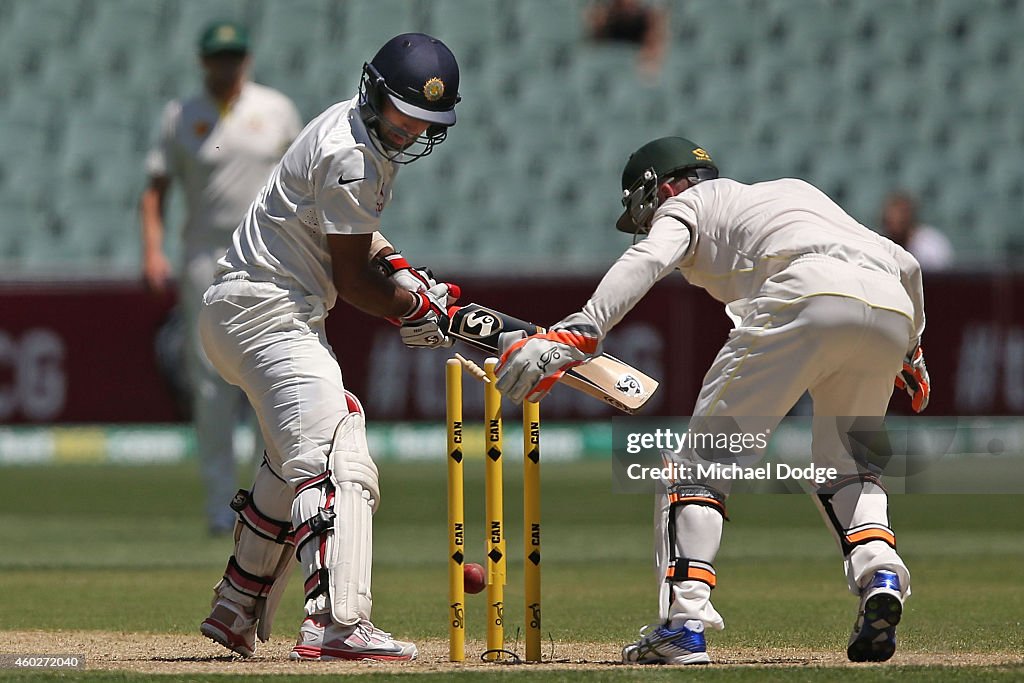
<point x="660" y="644"/>
<point x="881" y="608"/>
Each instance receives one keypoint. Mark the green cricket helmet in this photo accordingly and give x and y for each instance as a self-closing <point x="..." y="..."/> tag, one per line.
<point x="656" y="162"/>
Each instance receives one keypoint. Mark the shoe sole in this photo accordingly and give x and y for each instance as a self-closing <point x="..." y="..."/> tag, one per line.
<point x="217" y="632"/>
<point x="302" y="653"/>
<point x="882" y="613"/>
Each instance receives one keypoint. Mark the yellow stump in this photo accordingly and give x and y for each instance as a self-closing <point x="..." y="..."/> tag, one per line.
<point x="494" y="504"/>
<point x="456" y="515"/>
<point x="531" y="528"/>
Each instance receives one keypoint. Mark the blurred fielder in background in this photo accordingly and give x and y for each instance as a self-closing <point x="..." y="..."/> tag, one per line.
<point x="819" y="303"/>
<point x="220" y="146"/>
<point x="310" y="237"/>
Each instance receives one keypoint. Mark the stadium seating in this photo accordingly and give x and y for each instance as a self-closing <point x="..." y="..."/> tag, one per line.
<point x="858" y="97"/>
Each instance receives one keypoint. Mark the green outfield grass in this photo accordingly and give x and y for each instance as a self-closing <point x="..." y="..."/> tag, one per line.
<point x="125" y="549"/>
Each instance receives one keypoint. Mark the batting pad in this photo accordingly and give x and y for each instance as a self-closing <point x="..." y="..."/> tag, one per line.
<point x="257" y="572"/>
<point x="350" y="554"/>
<point x="335" y="535"/>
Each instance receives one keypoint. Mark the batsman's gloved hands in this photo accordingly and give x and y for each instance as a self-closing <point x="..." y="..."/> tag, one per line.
<point x="426" y="324"/>
<point x="531" y="365"/>
<point x="913" y="379"/>
<point x="397" y="269"/>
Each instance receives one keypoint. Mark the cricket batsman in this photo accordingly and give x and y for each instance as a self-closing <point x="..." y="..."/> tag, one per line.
<point x="311" y="237"/>
<point x="820" y="303"/>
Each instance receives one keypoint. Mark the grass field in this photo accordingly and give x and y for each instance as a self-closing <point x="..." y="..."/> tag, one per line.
<point x="115" y="560"/>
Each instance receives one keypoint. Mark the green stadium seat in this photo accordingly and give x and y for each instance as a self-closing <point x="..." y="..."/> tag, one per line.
<point x="471" y="31"/>
<point x="855" y="96"/>
<point x="540" y="23"/>
<point x="20" y="219"/>
<point x="368" y="24"/>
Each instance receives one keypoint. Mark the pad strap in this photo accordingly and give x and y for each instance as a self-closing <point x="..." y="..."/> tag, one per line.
<point x="271" y="529"/>
<point x="246" y="583"/>
<point x="696" y="494"/>
<point x="313" y="528"/>
<point x="317" y="584"/>
<point x="866" y="533"/>
<point x="833" y="487"/>
<point x="859" y="534"/>
<point x="683" y="569"/>
<point x="323" y="520"/>
<point x="317" y="527"/>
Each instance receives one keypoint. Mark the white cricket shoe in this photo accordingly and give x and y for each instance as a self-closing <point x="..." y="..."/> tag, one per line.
<point x="660" y="644"/>
<point x="881" y="608"/>
<point x="232" y="626"/>
<point x="321" y="639"/>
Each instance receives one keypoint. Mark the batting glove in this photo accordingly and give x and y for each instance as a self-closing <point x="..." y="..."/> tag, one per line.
<point x="531" y="366"/>
<point x="913" y="379"/>
<point x="397" y="269"/>
<point x="426" y="324"/>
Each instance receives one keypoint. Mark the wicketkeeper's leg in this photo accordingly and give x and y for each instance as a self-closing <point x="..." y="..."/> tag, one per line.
<point x="688" y="532"/>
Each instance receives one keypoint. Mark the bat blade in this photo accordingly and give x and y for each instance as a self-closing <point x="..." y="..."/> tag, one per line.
<point x="614" y="382"/>
<point x="605" y="377"/>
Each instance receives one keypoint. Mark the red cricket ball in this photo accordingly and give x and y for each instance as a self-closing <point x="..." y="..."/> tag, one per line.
<point x="474" y="578"/>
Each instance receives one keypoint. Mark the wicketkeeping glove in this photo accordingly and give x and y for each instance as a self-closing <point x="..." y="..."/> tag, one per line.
<point x="397" y="269"/>
<point x="531" y="366"/>
<point x="426" y="324"/>
<point x="913" y="379"/>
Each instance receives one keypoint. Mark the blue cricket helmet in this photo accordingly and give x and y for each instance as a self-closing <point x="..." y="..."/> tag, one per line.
<point x="420" y="77"/>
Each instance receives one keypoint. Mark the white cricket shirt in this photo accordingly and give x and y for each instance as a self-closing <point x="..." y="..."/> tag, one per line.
<point x="332" y="180"/>
<point x="730" y="238"/>
<point x="221" y="159"/>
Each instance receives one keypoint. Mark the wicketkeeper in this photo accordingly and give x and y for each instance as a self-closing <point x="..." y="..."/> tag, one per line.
<point x="819" y="303"/>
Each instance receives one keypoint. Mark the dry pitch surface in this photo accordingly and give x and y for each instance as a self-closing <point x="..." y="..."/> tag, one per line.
<point x="169" y="654"/>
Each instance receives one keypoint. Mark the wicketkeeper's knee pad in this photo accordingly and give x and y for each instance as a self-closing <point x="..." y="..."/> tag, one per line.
<point x="258" y="570"/>
<point x="334" y="533"/>
<point x="856" y="510"/>
<point x="688" y="533"/>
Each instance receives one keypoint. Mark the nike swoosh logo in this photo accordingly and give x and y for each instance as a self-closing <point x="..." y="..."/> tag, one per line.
<point x="343" y="181"/>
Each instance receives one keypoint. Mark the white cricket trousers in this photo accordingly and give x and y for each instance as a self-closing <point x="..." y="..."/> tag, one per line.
<point x="796" y="336"/>
<point x="271" y="342"/>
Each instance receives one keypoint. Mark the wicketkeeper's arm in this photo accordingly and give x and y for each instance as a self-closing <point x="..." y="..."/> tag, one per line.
<point x="636" y="271"/>
<point x="910" y="276"/>
<point x="531" y="366"/>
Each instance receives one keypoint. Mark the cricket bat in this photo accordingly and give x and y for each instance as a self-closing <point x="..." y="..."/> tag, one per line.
<point x="605" y="377"/>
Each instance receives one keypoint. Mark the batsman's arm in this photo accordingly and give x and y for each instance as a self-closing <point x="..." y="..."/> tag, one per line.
<point x="421" y="314"/>
<point x="359" y="283"/>
<point x="380" y="246"/>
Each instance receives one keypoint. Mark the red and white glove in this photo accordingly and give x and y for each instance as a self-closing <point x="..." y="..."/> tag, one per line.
<point x="426" y="324"/>
<point x="397" y="269"/>
<point x="913" y="379"/>
<point x="531" y="366"/>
